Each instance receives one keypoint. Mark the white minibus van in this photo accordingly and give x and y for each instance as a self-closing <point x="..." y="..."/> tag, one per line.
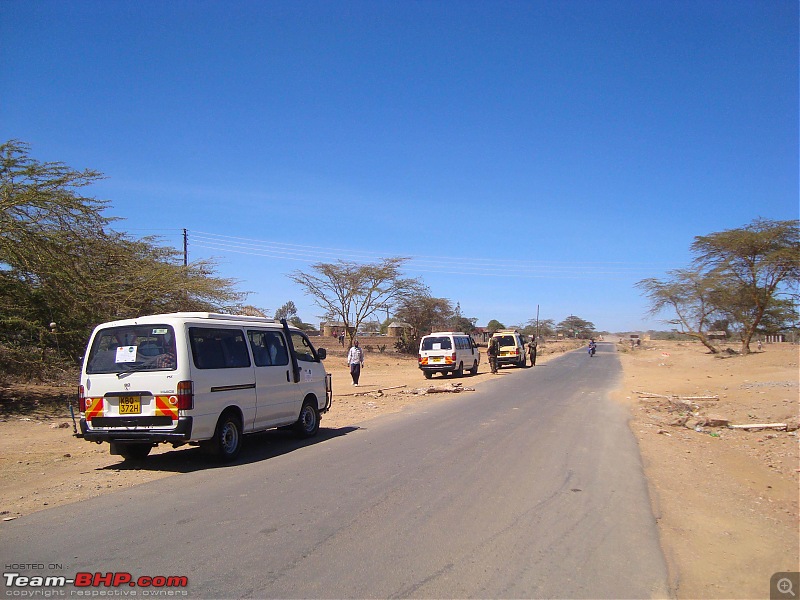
<point x="448" y="352"/>
<point x="198" y="378"/>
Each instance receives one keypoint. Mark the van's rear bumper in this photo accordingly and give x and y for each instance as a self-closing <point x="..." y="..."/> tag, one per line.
<point x="509" y="360"/>
<point x="180" y="433"/>
<point x="438" y="368"/>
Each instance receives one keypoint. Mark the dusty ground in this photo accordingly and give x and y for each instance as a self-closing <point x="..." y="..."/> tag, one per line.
<point x="726" y="500"/>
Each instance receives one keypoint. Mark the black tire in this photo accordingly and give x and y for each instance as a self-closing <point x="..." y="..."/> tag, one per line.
<point x="459" y="372"/>
<point x="474" y="369"/>
<point x="134" y="451"/>
<point x="228" y="437"/>
<point x="427" y="374"/>
<point x="307" y="424"/>
<point x="524" y="362"/>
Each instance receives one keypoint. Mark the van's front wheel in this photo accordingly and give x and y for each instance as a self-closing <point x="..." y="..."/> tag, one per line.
<point x="228" y="437"/>
<point x="308" y="422"/>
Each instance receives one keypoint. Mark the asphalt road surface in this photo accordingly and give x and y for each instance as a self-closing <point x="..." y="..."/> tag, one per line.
<point x="531" y="487"/>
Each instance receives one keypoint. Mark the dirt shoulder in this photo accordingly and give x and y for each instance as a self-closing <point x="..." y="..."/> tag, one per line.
<point x="726" y="500"/>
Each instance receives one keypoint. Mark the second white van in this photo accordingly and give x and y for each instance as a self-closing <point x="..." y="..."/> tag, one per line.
<point x="448" y="352"/>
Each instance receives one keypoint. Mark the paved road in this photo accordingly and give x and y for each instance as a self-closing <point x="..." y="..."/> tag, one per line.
<point x="530" y="487"/>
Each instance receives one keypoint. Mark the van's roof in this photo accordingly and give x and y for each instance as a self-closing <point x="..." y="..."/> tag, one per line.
<point x="193" y="316"/>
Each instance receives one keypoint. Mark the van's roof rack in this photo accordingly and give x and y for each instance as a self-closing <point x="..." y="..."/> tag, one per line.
<point x="447" y="333"/>
<point x="221" y="316"/>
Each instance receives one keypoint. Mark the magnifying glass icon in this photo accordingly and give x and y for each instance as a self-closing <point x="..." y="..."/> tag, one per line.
<point x="785" y="586"/>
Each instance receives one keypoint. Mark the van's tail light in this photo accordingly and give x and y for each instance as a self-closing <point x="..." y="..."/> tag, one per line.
<point x="423" y="360"/>
<point x="185" y="395"/>
<point x="81" y="399"/>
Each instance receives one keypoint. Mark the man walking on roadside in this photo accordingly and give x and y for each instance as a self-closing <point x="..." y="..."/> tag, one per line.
<point x="355" y="359"/>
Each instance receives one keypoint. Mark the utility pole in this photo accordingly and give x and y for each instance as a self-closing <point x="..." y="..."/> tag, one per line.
<point x="185" y="248"/>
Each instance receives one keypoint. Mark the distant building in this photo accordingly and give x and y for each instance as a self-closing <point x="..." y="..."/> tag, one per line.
<point x="397" y="328"/>
<point x="481" y="334"/>
<point x="332" y="328"/>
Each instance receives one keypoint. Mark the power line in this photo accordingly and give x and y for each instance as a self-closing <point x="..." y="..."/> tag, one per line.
<point x="424" y="264"/>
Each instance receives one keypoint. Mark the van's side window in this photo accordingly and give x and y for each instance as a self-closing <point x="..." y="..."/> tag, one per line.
<point x="214" y="348"/>
<point x="269" y="348"/>
<point x="303" y="348"/>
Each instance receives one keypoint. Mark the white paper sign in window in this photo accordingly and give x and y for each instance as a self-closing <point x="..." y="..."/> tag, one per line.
<point x="126" y="354"/>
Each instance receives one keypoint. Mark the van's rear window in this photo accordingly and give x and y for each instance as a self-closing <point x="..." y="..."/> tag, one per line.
<point x="132" y="348"/>
<point x="436" y="343"/>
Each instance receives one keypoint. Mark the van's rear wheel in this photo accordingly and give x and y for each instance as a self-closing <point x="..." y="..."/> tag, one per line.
<point x="133" y="451"/>
<point x="459" y="372"/>
<point x="308" y="423"/>
<point x="474" y="369"/>
<point x="427" y="374"/>
<point x="228" y="437"/>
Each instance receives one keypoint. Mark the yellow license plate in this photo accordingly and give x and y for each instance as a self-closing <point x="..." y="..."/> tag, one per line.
<point x="130" y="405"/>
<point x="436" y="359"/>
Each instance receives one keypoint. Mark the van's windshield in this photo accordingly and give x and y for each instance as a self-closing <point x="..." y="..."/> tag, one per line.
<point x="132" y="348"/>
<point x="436" y="343"/>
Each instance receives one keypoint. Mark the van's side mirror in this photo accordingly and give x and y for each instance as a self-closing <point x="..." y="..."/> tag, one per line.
<point x="322" y="353"/>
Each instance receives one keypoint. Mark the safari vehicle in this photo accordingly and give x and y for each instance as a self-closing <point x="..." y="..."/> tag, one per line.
<point x="511" y="348"/>
<point x="448" y="352"/>
<point x="198" y="378"/>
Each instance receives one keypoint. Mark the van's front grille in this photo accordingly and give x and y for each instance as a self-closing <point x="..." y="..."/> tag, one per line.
<point x="131" y="422"/>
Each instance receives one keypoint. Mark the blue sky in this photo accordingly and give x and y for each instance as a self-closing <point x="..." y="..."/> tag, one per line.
<point x="519" y="153"/>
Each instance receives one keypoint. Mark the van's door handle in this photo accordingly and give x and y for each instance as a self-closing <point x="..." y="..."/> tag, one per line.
<point x="287" y="377"/>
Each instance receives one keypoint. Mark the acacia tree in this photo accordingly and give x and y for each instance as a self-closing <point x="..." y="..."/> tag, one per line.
<point x="494" y="325"/>
<point x="425" y="314"/>
<point x="543" y="328"/>
<point x="757" y="262"/>
<point x="576" y="326"/>
<point x="60" y="263"/>
<point x="745" y="276"/>
<point x="286" y="311"/>
<point x="353" y="292"/>
<point x="690" y="294"/>
<point x="458" y="322"/>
